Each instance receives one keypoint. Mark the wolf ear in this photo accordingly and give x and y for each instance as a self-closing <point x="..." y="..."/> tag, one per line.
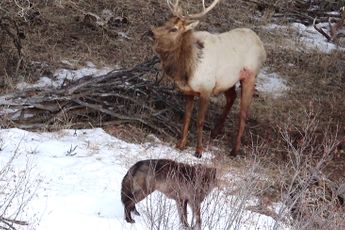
<point x="191" y="25"/>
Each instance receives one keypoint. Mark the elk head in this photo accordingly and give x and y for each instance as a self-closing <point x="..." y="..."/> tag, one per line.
<point x="169" y="36"/>
<point x="174" y="43"/>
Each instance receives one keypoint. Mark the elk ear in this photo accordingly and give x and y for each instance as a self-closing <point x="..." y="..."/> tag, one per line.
<point x="191" y="25"/>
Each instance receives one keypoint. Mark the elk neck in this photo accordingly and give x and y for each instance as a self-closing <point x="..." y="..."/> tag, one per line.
<point x="179" y="63"/>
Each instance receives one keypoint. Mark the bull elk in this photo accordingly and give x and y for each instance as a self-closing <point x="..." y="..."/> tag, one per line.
<point x="204" y="64"/>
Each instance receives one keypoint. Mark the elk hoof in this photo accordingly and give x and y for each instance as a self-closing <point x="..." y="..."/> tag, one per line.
<point x="181" y="146"/>
<point x="197" y="154"/>
<point x="234" y="153"/>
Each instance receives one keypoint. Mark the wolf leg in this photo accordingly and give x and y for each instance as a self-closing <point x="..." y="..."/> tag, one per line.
<point x="135" y="211"/>
<point x="130" y="205"/>
<point x="139" y="195"/>
<point x="196" y="214"/>
<point x="182" y="211"/>
<point x="128" y="216"/>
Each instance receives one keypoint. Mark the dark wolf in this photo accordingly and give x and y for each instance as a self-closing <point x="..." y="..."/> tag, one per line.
<point x="184" y="183"/>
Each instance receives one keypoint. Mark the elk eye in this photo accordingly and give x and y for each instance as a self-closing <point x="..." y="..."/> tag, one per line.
<point x="173" y="30"/>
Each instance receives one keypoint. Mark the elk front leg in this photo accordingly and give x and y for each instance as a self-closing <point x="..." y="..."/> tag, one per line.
<point x="200" y="124"/>
<point x="186" y="121"/>
<point x="230" y="96"/>
<point x="247" y="85"/>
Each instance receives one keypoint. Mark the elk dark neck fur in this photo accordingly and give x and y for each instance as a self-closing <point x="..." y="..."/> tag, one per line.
<point x="179" y="63"/>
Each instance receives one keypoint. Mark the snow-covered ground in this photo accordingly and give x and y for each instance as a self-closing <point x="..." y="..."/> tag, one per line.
<point x="74" y="181"/>
<point x="271" y="83"/>
<point x="62" y="75"/>
<point x="306" y="38"/>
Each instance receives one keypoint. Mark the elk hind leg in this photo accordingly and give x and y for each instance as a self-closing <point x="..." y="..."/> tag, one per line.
<point x="247" y="90"/>
<point x="230" y="96"/>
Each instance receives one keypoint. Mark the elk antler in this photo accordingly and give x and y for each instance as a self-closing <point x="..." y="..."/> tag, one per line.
<point x="177" y="11"/>
<point x="333" y="29"/>
<point x="174" y="8"/>
<point x="205" y="10"/>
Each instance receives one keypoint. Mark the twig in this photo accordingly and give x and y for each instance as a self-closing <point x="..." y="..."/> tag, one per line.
<point x="9" y="223"/>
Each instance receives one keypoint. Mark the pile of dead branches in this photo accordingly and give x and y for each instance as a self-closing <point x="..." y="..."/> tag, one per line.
<point x="329" y="14"/>
<point x="302" y="11"/>
<point x="133" y="96"/>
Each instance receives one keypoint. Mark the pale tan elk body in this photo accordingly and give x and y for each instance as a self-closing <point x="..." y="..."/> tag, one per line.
<point x="204" y="64"/>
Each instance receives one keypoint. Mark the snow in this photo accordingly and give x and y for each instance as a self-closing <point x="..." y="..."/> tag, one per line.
<point x="271" y="83"/>
<point x="62" y="75"/>
<point x="74" y="181"/>
<point x="313" y="39"/>
<point x="307" y="36"/>
<point x="5" y="111"/>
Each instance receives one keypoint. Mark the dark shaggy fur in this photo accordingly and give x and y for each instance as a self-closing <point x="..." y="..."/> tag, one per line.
<point x="181" y="182"/>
